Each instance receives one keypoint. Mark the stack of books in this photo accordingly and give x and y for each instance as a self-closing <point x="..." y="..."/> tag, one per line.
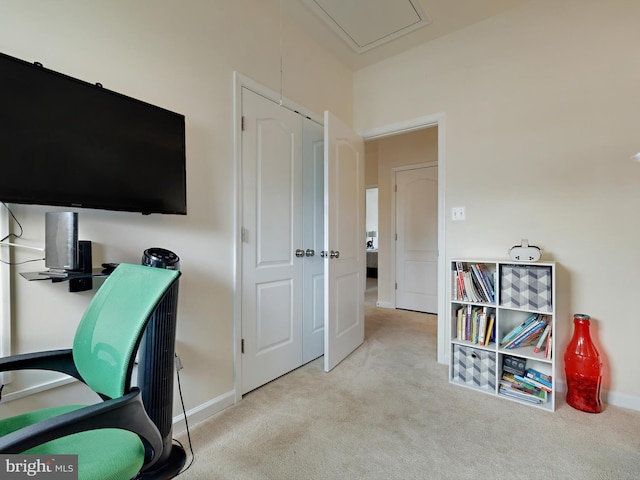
<point x="534" y="331"/>
<point x="472" y="282"/>
<point x="532" y="387"/>
<point x="475" y="324"/>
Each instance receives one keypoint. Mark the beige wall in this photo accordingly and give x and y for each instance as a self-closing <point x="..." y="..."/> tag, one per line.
<point x="542" y="115"/>
<point x="420" y="146"/>
<point x="181" y="56"/>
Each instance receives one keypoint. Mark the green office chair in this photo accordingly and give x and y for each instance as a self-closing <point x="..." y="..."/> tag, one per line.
<point x="115" y="438"/>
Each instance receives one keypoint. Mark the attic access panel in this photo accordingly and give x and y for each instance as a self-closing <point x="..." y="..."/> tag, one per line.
<point x="366" y="24"/>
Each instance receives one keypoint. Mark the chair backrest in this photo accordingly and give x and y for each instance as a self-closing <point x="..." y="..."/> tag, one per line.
<point x="109" y="333"/>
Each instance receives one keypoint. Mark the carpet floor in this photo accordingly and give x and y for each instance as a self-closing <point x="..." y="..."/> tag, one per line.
<point x="389" y="412"/>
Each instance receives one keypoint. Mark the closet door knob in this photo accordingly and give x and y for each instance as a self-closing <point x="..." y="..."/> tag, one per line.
<point x="299" y="253"/>
<point x="310" y="252"/>
<point x="335" y="254"/>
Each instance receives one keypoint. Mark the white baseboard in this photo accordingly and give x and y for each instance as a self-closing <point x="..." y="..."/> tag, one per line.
<point x="385" y="305"/>
<point x="621" y="400"/>
<point x="204" y="411"/>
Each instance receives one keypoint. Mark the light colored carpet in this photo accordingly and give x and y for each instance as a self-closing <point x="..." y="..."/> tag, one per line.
<point x="388" y="412"/>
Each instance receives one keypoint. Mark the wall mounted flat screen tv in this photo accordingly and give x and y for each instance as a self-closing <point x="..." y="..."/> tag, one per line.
<point x="67" y="142"/>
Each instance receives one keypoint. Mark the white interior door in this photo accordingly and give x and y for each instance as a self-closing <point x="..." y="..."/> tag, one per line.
<point x="417" y="239"/>
<point x="272" y="219"/>
<point x="313" y="240"/>
<point x="344" y="271"/>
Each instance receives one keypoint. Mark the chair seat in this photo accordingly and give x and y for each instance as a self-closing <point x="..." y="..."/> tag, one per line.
<point x="105" y="454"/>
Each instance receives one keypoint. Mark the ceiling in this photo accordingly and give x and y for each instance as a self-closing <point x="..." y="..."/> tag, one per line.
<point x="363" y="32"/>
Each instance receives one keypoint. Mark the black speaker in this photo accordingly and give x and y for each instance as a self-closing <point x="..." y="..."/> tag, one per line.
<point x="85" y="266"/>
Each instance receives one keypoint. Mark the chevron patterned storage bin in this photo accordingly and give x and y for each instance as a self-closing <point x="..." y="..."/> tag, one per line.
<point x="474" y="367"/>
<point x="526" y="286"/>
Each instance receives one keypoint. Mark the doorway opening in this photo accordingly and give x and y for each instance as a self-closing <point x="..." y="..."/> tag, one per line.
<point x="394" y="137"/>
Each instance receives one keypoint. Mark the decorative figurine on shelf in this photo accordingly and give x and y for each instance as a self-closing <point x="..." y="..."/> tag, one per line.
<point x="583" y="368"/>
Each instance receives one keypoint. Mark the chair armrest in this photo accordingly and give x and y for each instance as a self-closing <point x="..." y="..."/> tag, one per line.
<point x="126" y="412"/>
<point x="54" y="360"/>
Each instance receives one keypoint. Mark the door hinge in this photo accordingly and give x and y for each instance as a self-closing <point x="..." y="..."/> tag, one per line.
<point x="396" y="237"/>
<point x="243" y="234"/>
<point x="242" y="123"/>
<point x="242" y="346"/>
<point x="396" y="285"/>
<point x="395" y="188"/>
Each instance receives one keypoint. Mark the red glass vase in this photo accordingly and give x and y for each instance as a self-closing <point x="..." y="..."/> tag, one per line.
<point x="583" y="368"/>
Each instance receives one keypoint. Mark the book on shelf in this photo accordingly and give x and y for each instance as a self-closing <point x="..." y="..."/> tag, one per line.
<point x="549" y="344"/>
<point x="514" y="365"/>
<point x="489" y="334"/>
<point x="527" y="333"/>
<point x="534" y="383"/>
<point x="475" y="324"/>
<point x="489" y="282"/>
<point x="540" y="377"/>
<point x="462" y="294"/>
<point x="469" y="287"/>
<point x="471" y="283"/>
<point x="517" y="387"/>
<point x="482" y="325"/>
<point x="486" y="292"/>
<point x="528" y="336"/>
<point x="542" y="338"/>
<point x="516" y="330"/>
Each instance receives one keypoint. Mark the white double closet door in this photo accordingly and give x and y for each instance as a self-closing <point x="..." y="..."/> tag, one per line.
<point x="303" y="266"/>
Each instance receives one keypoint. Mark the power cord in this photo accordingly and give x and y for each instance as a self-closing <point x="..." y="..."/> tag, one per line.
<point x="13" y="235"/>
<point x="186" y="421"/>
<point x="17" y="223"/>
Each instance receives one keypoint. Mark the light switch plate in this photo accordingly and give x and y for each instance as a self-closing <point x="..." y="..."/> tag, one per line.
<point x="457" y="213"/>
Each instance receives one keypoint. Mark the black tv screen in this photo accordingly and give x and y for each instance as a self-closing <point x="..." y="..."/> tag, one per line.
<point x="67" y="142"/>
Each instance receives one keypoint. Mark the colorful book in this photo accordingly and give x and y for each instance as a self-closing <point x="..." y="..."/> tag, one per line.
<point x="542" y="338"/>
<point x="482" y="325"/>
<point x="537" y="384"/>
<point x="488" y="281"/>
<point x="461" y="289"/>
<point x="539" y="377"/>
<point x="527" y="336"/>
<point x="487" y="337"/>
<point x="516" y="333"/>
<point x="469" y="288"/>
<point x="481" y="287"/>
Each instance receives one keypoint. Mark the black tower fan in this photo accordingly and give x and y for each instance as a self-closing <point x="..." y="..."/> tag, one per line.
<point x="156" y="368"/>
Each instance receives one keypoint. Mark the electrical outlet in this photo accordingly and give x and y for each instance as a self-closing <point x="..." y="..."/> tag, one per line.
<point x="457" y="213"/>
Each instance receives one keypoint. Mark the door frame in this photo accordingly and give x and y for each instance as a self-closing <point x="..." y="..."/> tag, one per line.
<point x="241" y="81"/>
<point x="435" y="120"/>
<point x="393" y="251"/>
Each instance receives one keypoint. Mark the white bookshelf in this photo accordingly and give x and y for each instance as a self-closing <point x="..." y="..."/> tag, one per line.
<point x="522" y="291"/>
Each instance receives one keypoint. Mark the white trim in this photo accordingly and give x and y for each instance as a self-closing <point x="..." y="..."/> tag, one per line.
<point x="621" y="400"/>
<point x="385" y="305"/>
<point x="405" y="126"/>
<point x="237" y="237"/>
<point x="5" y="296"/>
<point x="409" y="126"/>
<point x="202" y="412"/>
